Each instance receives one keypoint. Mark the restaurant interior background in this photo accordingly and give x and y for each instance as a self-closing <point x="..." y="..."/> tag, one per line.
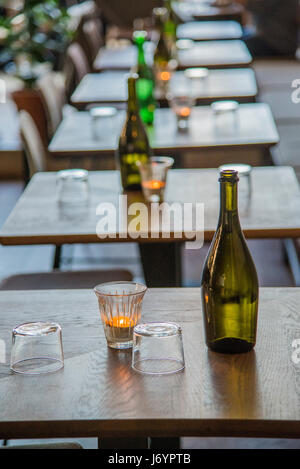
<point x="41" y="75"/>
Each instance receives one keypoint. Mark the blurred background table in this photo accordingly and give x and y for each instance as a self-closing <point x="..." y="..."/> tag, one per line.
<point x="188" y="11"/>
<point x="209" y="30"/>
<point x="273" y="212"/>
<point x="210" y="54"/>
<point x="255" y="129"/>
<point x="111" y="87"/>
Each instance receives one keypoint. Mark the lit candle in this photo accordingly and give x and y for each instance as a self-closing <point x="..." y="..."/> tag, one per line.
<point x="153" y="185"/>
<point x="120" y="321"/>
<point x="119" y="328"/>
<point x="184" y="111"/>
<point x="165" y="76"/>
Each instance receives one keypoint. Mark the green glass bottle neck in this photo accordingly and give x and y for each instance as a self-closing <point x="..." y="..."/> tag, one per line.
<point x="228" y="203"/>
<point x="132" y="106"/>
<point x="141" y="54"/>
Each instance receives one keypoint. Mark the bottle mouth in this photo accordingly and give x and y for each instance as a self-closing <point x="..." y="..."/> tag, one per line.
<point x="229" y="175"/>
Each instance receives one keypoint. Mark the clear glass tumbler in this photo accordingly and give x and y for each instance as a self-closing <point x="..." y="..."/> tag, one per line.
<point x="157" y="348"/>
<point x="225" y="116"/>
<point x="154" y="177"/>
<point x="37" y="348"/>
<point x="72" y="186"/>
<point x="197" y="80"/>
<point x="103" y="119"/>
<point x="120" y="305"/>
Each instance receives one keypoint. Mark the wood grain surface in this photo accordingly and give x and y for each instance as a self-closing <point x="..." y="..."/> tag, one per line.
<point x="272" y="212"/>
<point x="97" y="393"/>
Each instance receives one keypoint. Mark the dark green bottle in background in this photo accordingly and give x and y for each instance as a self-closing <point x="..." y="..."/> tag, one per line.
<point x="133" y="143"/>
<point x="170" y="26"/>
<point x="162" y="54"/>
<point x="229" y="285"/>
<point x="145" y="83"/>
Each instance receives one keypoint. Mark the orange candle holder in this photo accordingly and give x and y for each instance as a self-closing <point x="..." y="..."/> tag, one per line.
<point x="154" y="176"/>
<point x="182" y="107"/>
<point x="120" y="305"/>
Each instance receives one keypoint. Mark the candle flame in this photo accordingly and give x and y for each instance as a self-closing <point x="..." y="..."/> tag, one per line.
<point x="120" y="321"/>
<point x="185" y="111"/>
<point x="153" y="184"/>
<point x="165" y="76"/>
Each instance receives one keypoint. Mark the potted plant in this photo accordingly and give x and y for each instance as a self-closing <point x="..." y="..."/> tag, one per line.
<point x="37" y="35"/>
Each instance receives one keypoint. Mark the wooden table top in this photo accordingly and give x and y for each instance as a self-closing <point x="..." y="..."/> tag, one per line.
<point x="210" y="54"/>
<point x="273" y="211"/>
<point x="209" y="30"/>
<point x="97" y="392"/>
<point x="189" y="11"/>
<point x="255" y="129"/>
<point x="110" y="87"/>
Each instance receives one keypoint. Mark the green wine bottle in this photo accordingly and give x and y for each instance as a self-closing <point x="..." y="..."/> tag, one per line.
<point x="145" y="83"/>
<point x="229" y="285"/>
<point x="170" y="27"/>
<point x="162" y="54"/>
<point x="133" y="143"/>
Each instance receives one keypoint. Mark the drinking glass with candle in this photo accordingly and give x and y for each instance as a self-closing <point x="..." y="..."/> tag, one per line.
<point x="120" y="305"/>
<point x="163" y="75"/>
<point x="154" y="176"/>
<point x="182" y="105"/>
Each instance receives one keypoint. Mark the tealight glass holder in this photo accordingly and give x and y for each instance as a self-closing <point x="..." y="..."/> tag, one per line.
<point x="154" y="177"/>
<point x="120" y="305"/>
<point x="182" y="105"/>
<point x="163" y="74"/>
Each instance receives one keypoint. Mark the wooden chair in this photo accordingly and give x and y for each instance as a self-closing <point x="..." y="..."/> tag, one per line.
<point x="62" y="445"/>
<point x="76" y="66"/>
<point x="35" y="152"/>
<point x="36" y="156"/>
<point x="91" y="38"/>
<point x="57" y="280"/>
<point x="34" y="149"/>
<point x="53" y="95"/>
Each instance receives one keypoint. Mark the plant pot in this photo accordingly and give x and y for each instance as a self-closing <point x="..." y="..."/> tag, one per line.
<point x="31" y="101"/>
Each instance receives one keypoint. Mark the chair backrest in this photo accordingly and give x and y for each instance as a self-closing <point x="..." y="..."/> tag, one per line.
<point x="123" y="13"/>
<point x="33" y="145"/>
<point x="53" y="96"/>
<point x="92" y="37"/>
<point x="76" y="66"/>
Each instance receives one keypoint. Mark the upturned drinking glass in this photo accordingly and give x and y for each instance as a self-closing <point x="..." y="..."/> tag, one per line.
<point x="37" y="348"/>
<point x="120" y="305"/>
